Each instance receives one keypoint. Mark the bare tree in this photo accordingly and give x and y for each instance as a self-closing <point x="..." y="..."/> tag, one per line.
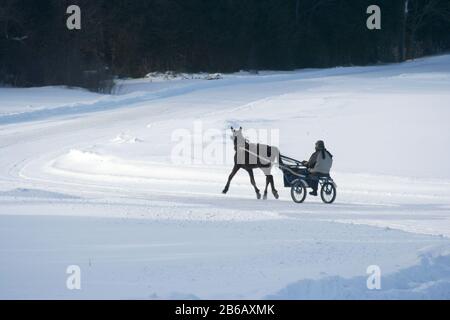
<point x="418" y="13"/>
<point x="9" y="19"/>
<point x="404" y="18"/>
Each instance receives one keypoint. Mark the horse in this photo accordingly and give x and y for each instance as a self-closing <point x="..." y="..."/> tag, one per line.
<point x="249" y="156"/>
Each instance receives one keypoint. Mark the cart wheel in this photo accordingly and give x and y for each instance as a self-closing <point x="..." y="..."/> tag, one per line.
<point x="298" y="192"/>
<point x="328" y="193"/>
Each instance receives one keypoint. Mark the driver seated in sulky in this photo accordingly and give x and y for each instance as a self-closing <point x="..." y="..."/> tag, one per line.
<point x="319" y="165"/>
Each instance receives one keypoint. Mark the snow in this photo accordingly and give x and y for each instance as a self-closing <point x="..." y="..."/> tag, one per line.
<point x="15" y="100"/>
<point x="91" y="180"/>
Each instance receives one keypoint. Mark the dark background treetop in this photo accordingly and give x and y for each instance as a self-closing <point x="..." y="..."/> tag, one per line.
<point x="129" y="38"/>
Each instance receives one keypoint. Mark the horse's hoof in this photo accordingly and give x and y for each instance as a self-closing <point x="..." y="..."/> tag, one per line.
<point x="265" y="196"/>
<point x="224" y="191"/>
<point x="258" y="196"/>
<point x="276" y="195"/>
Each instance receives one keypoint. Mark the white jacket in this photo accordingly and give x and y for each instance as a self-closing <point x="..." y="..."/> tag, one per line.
<point x="323" y="165"/>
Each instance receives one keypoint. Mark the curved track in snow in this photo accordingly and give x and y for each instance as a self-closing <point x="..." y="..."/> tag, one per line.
<point x="110" y="157"/>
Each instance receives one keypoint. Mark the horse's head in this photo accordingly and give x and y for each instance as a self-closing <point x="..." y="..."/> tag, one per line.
<point x="237" y="135"/>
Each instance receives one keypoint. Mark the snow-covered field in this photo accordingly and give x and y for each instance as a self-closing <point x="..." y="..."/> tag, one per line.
<point x="93" y="180"/>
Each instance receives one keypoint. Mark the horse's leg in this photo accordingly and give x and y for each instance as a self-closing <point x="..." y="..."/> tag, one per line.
<point x="272" y="184"/>
<point x="232" y="174"/>
<point x="267" y="186"/>
<point x="253" y="182"/>
<point x="266" y="172"/>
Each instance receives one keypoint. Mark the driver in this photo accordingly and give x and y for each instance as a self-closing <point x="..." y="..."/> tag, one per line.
<point x="318" y="165"/>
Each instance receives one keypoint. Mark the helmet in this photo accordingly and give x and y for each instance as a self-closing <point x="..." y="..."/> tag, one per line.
<point x="320" y="145"/>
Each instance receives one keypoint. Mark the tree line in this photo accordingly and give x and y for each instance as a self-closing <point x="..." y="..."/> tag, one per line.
<point x="130" y="38"/>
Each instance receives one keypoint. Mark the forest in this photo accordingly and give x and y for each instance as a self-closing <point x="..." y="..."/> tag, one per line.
<point x="130" y="38"/>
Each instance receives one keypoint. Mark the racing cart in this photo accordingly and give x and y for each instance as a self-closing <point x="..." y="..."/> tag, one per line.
<point x="296" y="176"/>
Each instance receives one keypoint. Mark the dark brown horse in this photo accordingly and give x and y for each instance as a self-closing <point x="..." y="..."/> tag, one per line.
<point x="249" y="156"/>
